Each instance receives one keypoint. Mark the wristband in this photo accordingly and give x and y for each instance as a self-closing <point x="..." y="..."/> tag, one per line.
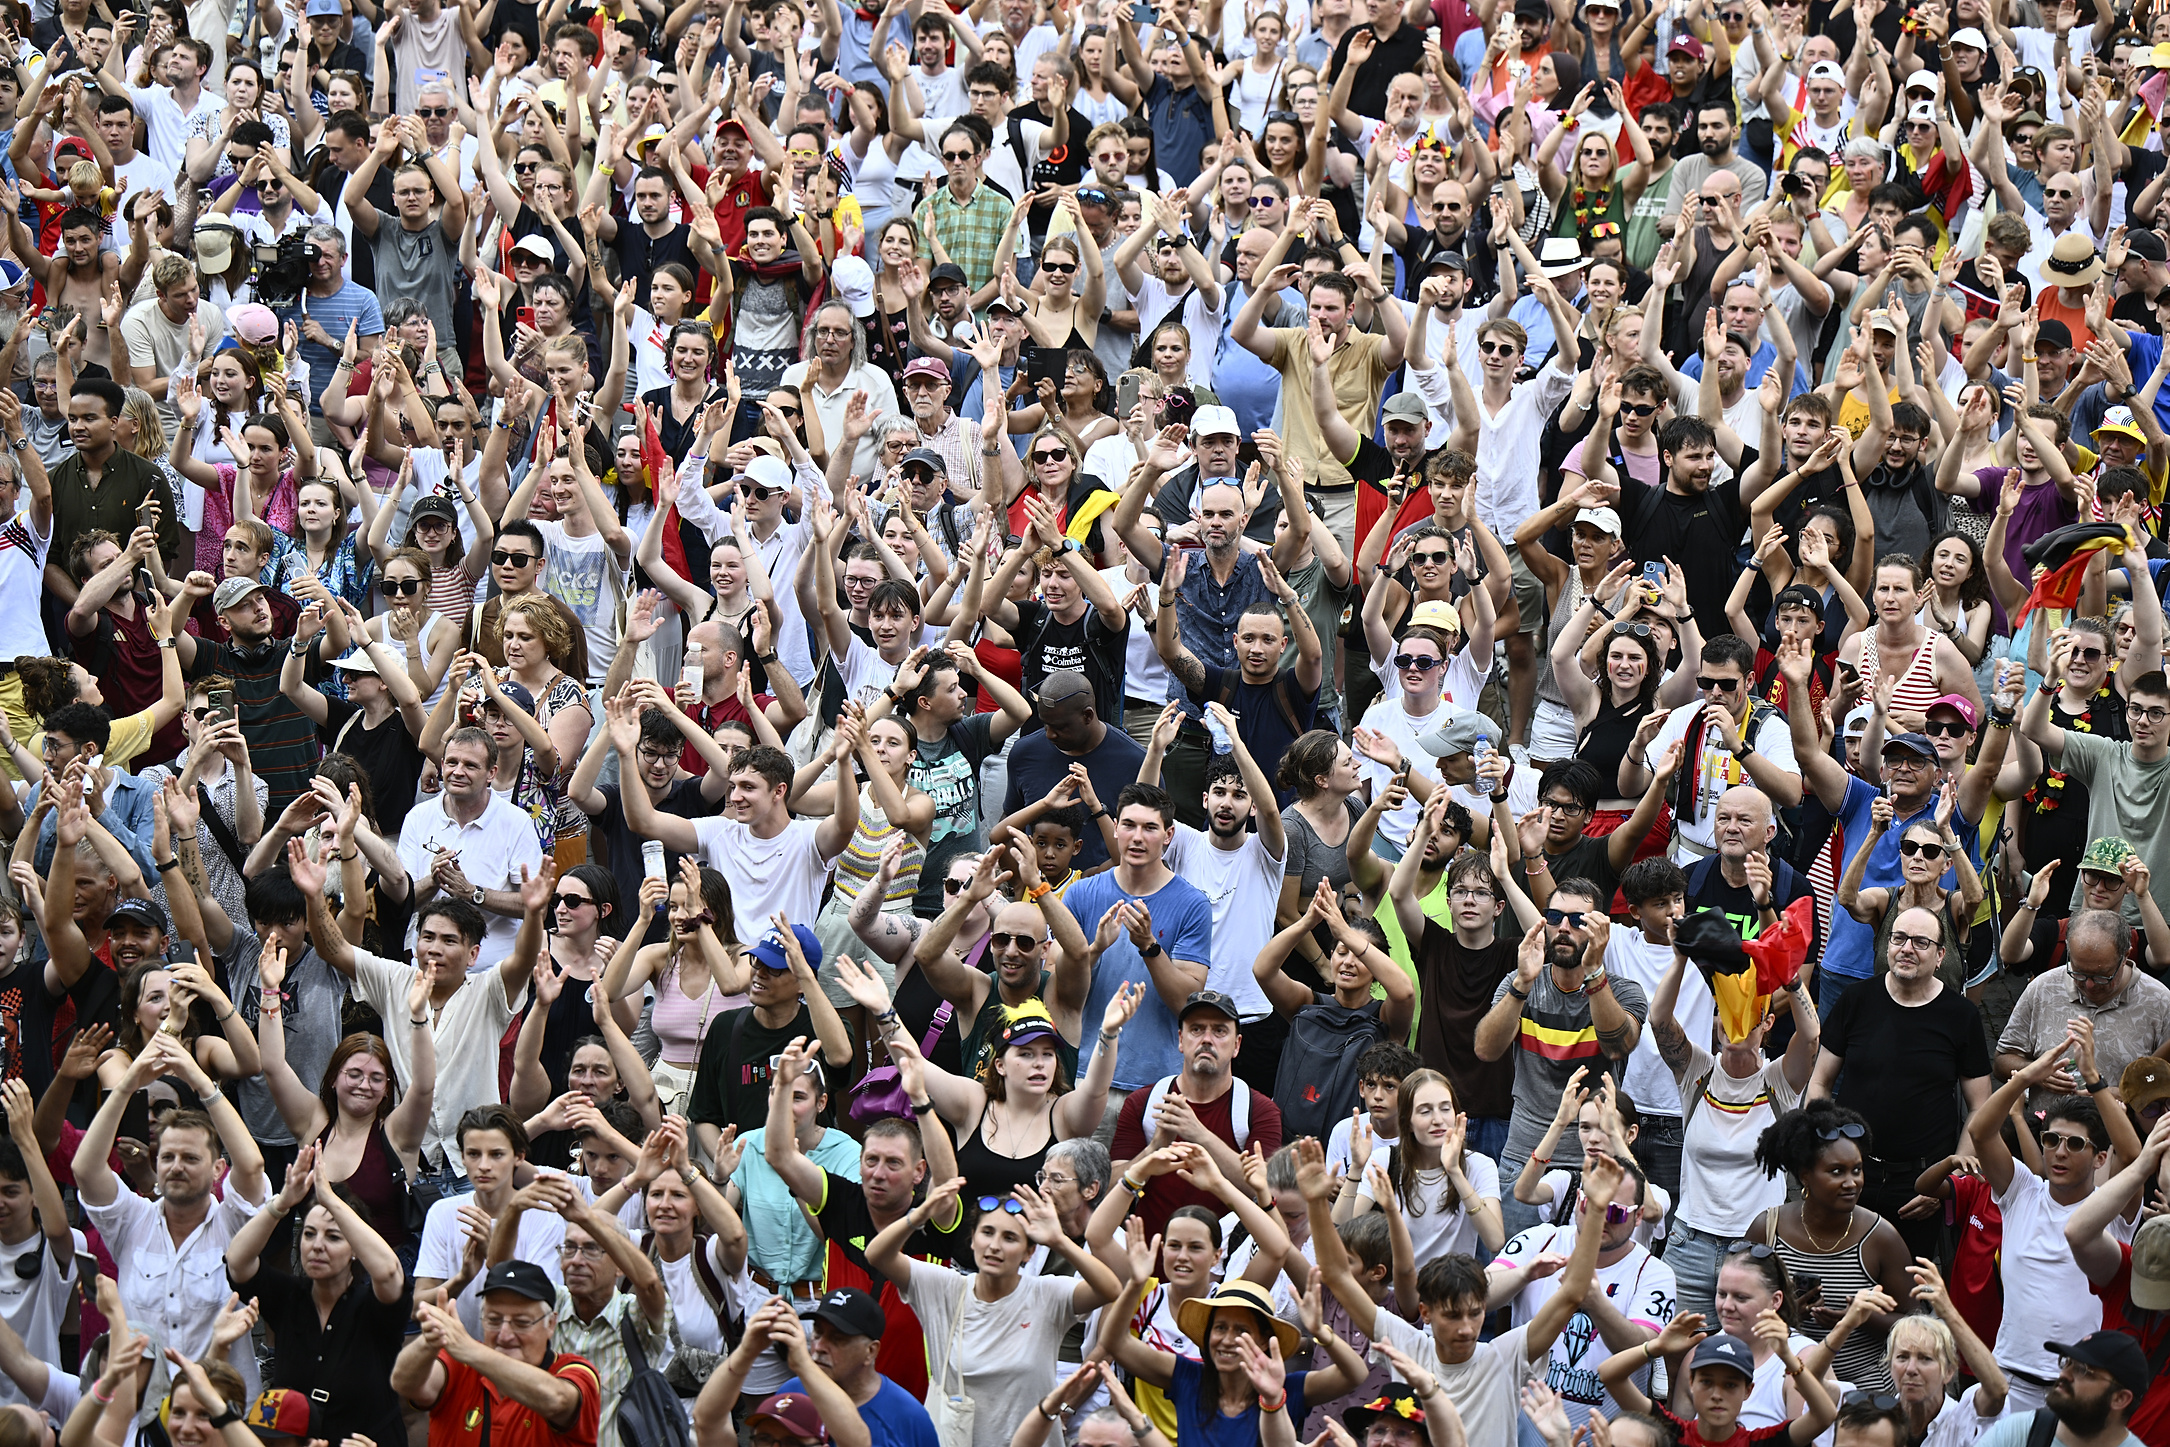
<point x="167" y="865"/>
<point x="349" y="858"/>
<point x="2091" y="1086"/>
<point x="1099" y="813"/>
<point x="1270" y="1408"/>
<point x="1136" y="1188"/>
<point x="1540" y="1160"/>
<point x="1038" y="892"/>
<point x="1519" y="994"/>
<point x="102" y="1398"/>
<point x="222" y="1019"/>
<point x="422" y="1024"/>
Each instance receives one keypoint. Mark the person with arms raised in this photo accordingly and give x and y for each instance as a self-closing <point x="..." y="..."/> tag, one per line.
<point x="531" y="1393"/>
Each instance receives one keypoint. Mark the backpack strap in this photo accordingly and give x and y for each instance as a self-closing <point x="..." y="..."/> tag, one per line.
<point x="229" y="844"/>
<point x="636" y="1357"/>
<point x="1239" y="1109"/>
<point x="2042" y="1431"/>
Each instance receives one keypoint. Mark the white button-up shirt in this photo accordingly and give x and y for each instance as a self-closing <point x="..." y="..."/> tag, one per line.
<point x="174" y="1290"/>
<point x="492" y="851"/>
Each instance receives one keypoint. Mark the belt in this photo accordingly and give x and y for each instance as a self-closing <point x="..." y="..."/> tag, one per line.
<point x="796" y="1290"/>
<point x="2030" y="1378"/>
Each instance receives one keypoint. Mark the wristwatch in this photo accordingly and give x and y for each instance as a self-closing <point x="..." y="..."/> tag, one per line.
<point x="476" y="897"/>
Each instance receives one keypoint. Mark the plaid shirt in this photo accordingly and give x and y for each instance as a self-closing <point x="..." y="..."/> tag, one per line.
<point x="970" y="231"/>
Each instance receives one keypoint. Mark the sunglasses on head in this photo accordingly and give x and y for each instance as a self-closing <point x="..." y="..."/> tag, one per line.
<point x="1002" y="1203"/>
<point x="1876" y="1401"/>
<point x="1755" y="1250"/>
<point x="400" y="587"/>
<point x="1639" y="630"/>
<point x="1852" y="1130"/>
<point x="1920" y="849"/>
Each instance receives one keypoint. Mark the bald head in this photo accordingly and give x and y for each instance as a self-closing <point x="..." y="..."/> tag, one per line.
<point x="1743" y="821"/>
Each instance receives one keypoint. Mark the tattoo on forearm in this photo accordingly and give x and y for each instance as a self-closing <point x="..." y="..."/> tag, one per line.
<point x="1614" y="1042"/>
<point x="1672" y="1040"/>
<point x="1189" y="671"/>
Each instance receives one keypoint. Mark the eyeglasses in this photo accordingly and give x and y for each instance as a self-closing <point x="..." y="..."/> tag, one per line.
<point x="1023" y="943"/>
<point x="1918" y="849"/>
<point x="573" y="1251"/>
<point x="1717" y="685"/>
<point x="1010" y="1204"/>
<point x="657" y="756"/>
<point x="1039" y="1178"/>
<point x="2082" y="977"/>
<point x="505" y="559"/>
<point x="2150" y="714"/>
<point x="2086" y="655"/>
<point x="2059" y="1141"/>
<point x="1571" y="918"/>
<point x="1852" y="1130"/>
<point x="1563" y="806"/>
<point x="431" y="113"/>
<point x="1638" y="630"/>
<point x="954" y="886"/>
<point x="571" y="901"/>
<point x="400" y="587"/>
<point x="1922" y="944"/>
<point x="1417" y="662"/>
<point x="1051" y="454"/>
<point x="1058" y="268"/>
<point x="1880" y="1401"/>
<point x="1473" y="896"/>
<point x="1431" y="558"/>
<point x="492" y="1321"/>
<point x="1502" y="349"/>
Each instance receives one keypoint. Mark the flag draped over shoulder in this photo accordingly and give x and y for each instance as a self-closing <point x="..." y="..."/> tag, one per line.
<point x="2066" y="553"/>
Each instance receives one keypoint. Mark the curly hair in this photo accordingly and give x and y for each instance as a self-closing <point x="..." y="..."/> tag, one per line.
<point x="542" y="615"/>
<point x="1796" y="1139"/>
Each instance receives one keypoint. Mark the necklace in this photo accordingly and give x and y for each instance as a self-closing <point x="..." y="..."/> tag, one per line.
<point x="1817" y="1246"/>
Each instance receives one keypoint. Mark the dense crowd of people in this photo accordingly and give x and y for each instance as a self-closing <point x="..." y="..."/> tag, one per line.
<point x="1506" y="659"/>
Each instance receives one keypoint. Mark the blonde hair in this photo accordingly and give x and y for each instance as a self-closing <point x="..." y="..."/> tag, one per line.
<point x="1924" y="1331"/>
<point x="85" y="179"/>
<point x="542" y="616"/>
<point x="151" y="437"/>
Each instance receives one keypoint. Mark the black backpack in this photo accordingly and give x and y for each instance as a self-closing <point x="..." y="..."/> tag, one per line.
<point x="649" y="1412"/>
<point x="1317" y="1082"/>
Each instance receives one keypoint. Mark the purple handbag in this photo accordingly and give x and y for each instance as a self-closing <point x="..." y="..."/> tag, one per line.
<point x="880" y="1092"/>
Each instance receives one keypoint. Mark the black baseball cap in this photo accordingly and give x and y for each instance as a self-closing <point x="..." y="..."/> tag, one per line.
<point x="852" y="1312"/>
<point x="521" y="1278"/>
<point x="1210" y="1000"/>
<point x="142" y="911"/>
<point x="2112" y="1352"/>
<point x="947" y="271"/>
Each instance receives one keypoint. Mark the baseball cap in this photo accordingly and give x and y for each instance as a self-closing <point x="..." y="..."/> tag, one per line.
<point x="1917" y="744"/>
<point x="2148" y="246"/>
<point x="1604" y="519"/>
<point x="1435" y="613"/>
<point x="323" y="7"/>
<point x="1004" y="304"/>
<point x="432" y="505"/>
<point x="356" y="662"/>
<point x="1958" y="704"/>
<point x="792" y="1412"/>
<point x="1857" y="721"/>
<point x="2112" y="1352"/>
<point x="1798" y="597"/>
<point x="2151" y="1243"/>
<point x="13" y="274"/>
<point x="521" y="1278"/>
<point x="1724" y="1350"/>
<point x="1887" y="323"/>
<point x="2145" y="1081"/>
<point x="1827" y="70"/>
<point x="1034" y="1026"/>
<point x="2107" y="855"/>
<point x="854" y="282"/>
<point x="925" y="367"/>
<point x="770" y="955"/>
<point x="231" y="592"/>
<point x="1460" y="734"/>
<point x="515" y="694"/>
<point x="926" y="457"/>
<point x="1686" y="45"/>
<point x="253" y="323"/>
<point x="1454" y="260"/>
<point x="539" y="247"/>
<point x="1405" y="407"/>
<point x="281" y="1412"/>
<point x="1920" y="80"/>
<point x="1215" y="422"/>
<point x="1210" y="1000"/>
<point x="215" y="239"/>
<point x="948" y="271"/>
<point x="1921" y="111"/>
<point x="2052" y="333"/>
<point x="1969" y="35"/>
<point x="852" y="1312"/>
<point x="2121" y="420"/>
<point x="142" y="911"/>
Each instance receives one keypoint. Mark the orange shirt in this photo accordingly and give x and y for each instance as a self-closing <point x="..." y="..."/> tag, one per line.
<point x="456" y="1420"/>
<point x="2053" y="309"/>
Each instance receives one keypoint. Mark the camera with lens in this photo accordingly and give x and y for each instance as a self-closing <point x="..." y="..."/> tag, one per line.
<point x="280" y="272"/>
<point x="1796" y="184"/>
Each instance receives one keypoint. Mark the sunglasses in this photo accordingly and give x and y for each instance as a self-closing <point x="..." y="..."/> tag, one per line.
<point x="1639" y="630"/>
<point x="2086" y="655"/>
<point x="430" y="113"/>
<point x="960" y="157"/>
<point x="522" y="168"/>
<point x="954" y="886"/>
<point x="571" y="901"/>
<point x="1879" y="1401"/>
<point x="1572" y="918"/>
<point x="1092" y="194"/>
<point x="1051" y="454"/>
<point x="504" y="559"/>
<point x="1432" y="559"/>
<point x="762" y="492"/>
<point x="1638" y="409"/>
<point x="1059" y="268"/>
<point x="1002" y="1203"/>
<point x="1717" y="685"/>
<point x="1945" y="729"/>
<point x="2058" y="1140"/>
<point x="811" y="1066"/>
<point x="1501" y="349"/>
<point x="1916" y="849"/>
<point x="1258" y="201"/>
<point x="400" y="587"/>
<point x="1754" y="1250"/>
<point x="1852" y="1130"/>
<point x="1023" y="943"/>
<point x="1417" y="661"/>
<point x="1617" y="1213"/>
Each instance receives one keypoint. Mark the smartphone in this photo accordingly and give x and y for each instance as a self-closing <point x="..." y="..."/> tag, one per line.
<point x="1142" y="13"/>
<point x="221" y="702"/>
<point x="525" y="316"/>
<point x="90" y="775"/>
<point x="1046" y="364"/>
<point x="1807" y="1286"/>
<point x="1654" y="575"/>
<point x="1126" y="394"/>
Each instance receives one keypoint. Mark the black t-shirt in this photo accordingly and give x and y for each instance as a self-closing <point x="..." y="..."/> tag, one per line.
<point x="1458" y="986"/>
<point x="1921" y="1055"/>
<point x="847" y="1222"/>
<point x="639" y="254"/>
<point x="1088" y="646"/>
<point x="1063" y="166"/>
<point x="387" y="754"/>
<point x="1587" y="858"/>
<point x="36" y="1024"/>
<point x="1707" y="889"/>
<point x="619" y="848"/>
<point x="1401" y="53"/>
<point x="731" y="1085"/>
<point x="1698" y="531"/>
<point x="1269" y="716"/>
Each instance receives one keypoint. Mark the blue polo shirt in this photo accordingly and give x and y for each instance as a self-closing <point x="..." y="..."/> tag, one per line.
<point x="1183" y="923"/>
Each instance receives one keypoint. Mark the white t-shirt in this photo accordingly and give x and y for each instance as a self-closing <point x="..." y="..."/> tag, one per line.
<point x="784" y="875"/>
<point x="1641" y="1288"/>
<point x="865" y="673"/>
<point x="2046" y="1295"/>
<point x="465" y="1038"/>
<point x="1203" y="322"/>
<point x="1722" y="1189"/>
<point x="33" y="1306"/>
<point x="1716" y="770"/>
<point x="168" y="123"/>
<point x="1649" y="1084"/>
<point x="444" y="1242"/>
<point x="1005" y="167"/>
<point x="1390" y="717"/>
<point x="588" y="578"/>
<point x="1507" y="451"/>
<point x="1564" y="1184"/>
<point x="1337" y="1144"/>
<point x="22" y="584"/>
<point x="1434" y="1229"/>
<point x="493" y="850"/>
<point x="1486" y="1389"/>
<point x="1244" y="885"/>
<point x="1004" y="1351"/>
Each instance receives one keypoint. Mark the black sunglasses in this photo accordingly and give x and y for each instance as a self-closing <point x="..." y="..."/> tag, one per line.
<point x="1052" y="454"/>
<point x="1945" y="729"/>
<point x="1717" y="685"/>
<point x="1852" y="1130"/>
<point x="1880" y="1401"/>
<point x="571" y="901"/>
<point x="430" y="113"/>
<point x="1057" y="268"/>
<point x="1916" y="849"/>
<point x="511" y="560"/>
<point x="1572" y="918"/>
<point x="1638" y="409"/>
<point x="1000" y="940"/>
<point x="1416" y="661"/>
<point x="400" y="587"/>
<point x="954" y="886"/>
<point x="762" y="492"/>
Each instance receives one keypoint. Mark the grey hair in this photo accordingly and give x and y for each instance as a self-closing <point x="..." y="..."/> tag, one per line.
<point x="1089" y="1159"/>
<point x="1862" y="148"/>
<point x="329" y="236"/>
<point x="893" y="424"/>
<point x="858" y="332"/>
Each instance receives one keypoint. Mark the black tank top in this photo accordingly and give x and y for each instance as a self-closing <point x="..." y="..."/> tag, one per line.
<point x="916" y="1002"/>
<point x="1605" y="742"/>
<point x="379" y="1182"/>
<point x="987" y="1173"/>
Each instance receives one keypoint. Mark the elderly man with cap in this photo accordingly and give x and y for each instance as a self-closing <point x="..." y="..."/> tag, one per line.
<point x="817" y="1413"/>
<point x="847" y="1329"/>
<point x="281" y="738"/>
<point x="2128" y="1010"/>
<point x="2112" y="877"/>
<point x="953" y="444"/>
<point x="533" y="1394"/>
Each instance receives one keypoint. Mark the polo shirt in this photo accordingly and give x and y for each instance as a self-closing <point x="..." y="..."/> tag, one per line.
<point x="2133" y="1023"/>
<point x="829" y="405"/>
<point x="600" y="1344"/>
<point x="492" y="851"/>
<point x="1357" y="371"/>
<point x="456" y="1419"/>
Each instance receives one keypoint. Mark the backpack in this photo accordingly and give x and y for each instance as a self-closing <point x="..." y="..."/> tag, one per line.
<point x="649" y="1413"/>
<point x="1239" y="1109"/>
<point x="1317" y="1078"/>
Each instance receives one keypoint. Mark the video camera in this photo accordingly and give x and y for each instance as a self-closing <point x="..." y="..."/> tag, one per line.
<point x="280" y="272"/>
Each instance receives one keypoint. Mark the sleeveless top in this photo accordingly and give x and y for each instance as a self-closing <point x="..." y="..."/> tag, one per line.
<point x="1916" y="689"/>
<point x="378" y="1182"/>
<point x="1766" y="1404"/>
<point x="679" y="1020"/>
<point x="1548" y="687"/>
<point x="862" y="858"/>
<point x="1861" y="1359"/>
<point x="1605" y="741"/>
<point x="916" y="1003"/>
<point x="988" y="1172"/>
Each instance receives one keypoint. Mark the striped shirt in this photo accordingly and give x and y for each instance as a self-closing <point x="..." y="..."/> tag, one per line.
<point x="283" y="747"/>
<point x="1556" y="1037"/>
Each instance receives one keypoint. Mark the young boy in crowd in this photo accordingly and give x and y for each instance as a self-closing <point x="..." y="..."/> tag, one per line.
<point x="1379" y="1073"/>
<point x="1720" y="1375"/>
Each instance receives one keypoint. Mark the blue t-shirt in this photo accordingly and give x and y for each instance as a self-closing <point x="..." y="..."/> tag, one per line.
<point x="894" y="1417"/>
<point x="1036" y="764"/>
<point x="1199" y="1422"/>
<point x="1852" y="952"/>
<point x="1183" y="923"/>
<point x="352" y="302"/>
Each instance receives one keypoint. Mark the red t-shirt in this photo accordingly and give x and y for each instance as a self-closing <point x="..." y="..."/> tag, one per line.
<point x="1976" y="1288"/>
<point x="456" y="1420"/>
<point x="1165" y="1195"/>
<point x="1742" y="1436"/>
<point x="2151" y="1423"/>
<point x="712" y="716"/>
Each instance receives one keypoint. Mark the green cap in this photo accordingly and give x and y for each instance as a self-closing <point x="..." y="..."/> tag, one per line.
<point x="2107" y="855"/>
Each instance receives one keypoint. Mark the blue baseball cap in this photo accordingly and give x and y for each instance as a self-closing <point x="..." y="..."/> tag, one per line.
<point x="769" y="954"/>
<point x="1724" y="1351"/>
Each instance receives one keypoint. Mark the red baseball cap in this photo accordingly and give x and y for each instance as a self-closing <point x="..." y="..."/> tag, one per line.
<point x="792" y="1412"/>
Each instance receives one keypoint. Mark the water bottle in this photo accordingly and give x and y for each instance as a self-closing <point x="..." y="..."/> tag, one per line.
<point x="1219" y="733"/>
<point x="691" y="673"/>
<point x="1482" y="751"/>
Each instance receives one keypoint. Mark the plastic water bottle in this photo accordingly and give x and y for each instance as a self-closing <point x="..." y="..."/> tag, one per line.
<point x="1482" y="752"/>
<point x="1219" y="733"/>
<point x="691" y="672"/>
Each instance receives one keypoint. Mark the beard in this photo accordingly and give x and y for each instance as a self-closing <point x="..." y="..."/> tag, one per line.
<point x="1713" y="146"/>
<point x="2084" y="1416"/>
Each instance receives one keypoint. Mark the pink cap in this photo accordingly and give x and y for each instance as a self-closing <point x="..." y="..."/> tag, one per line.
<point x="253" y="323"/>
<point x="1958" y="704"/>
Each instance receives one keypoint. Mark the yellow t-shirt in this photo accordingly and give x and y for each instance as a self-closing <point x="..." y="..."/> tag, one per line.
<point x="130" y="737"/>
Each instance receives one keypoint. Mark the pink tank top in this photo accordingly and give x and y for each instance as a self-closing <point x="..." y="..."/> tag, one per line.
<point x="1916" y="688"/>
<point x="680" y="1022"/>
